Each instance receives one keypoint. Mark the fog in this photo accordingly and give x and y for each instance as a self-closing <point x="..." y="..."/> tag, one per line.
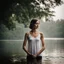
<point x="11" y="41"/>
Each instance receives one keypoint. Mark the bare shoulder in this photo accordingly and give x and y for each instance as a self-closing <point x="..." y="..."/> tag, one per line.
<point x="41" y="34"/>
<point x="26" y="34"/>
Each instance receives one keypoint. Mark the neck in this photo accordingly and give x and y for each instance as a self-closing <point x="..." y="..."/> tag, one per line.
<point x="34" y="30"/>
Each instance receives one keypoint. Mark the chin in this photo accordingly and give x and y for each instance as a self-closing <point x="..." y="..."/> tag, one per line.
<point x="36" y="28"/>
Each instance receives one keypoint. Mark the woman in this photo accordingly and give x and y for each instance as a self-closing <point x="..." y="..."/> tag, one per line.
<point x="35" y="43"/>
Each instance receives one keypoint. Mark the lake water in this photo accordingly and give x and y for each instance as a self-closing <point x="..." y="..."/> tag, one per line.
<point x="53" y="54"/>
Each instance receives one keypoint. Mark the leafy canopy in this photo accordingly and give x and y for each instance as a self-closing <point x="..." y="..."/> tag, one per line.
<point x="23" y="11"/>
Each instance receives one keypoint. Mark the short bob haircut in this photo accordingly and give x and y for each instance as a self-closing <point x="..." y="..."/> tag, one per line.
<point x="33" y="21"/>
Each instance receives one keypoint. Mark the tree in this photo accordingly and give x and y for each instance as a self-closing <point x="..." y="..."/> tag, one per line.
<point x="24" y="11"/>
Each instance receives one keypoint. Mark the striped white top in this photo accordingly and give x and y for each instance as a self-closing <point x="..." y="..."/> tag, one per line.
<point x="34" y="44"/>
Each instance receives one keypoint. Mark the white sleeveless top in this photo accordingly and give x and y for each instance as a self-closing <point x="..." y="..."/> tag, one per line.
<point x="34" y="44"/>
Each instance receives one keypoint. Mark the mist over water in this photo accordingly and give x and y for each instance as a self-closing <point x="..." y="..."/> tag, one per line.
<point x="54" y="48"/>
<point x="13" y="45"/>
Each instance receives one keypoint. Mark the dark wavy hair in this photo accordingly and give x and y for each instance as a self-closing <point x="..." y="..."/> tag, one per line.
<point x="33" y="21"/>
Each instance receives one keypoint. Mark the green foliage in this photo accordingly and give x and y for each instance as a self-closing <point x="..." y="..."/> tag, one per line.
<point x="24" y="11"/>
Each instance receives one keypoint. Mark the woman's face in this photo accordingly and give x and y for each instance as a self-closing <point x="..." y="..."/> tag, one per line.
<point x="36" y="25"/>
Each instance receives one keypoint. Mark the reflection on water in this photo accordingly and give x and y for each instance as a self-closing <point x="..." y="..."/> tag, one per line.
<point x="22" y="60"/>
<point x="54" y="48"/>
<point x="53" y="54"/>
<point x="53" y="60"/>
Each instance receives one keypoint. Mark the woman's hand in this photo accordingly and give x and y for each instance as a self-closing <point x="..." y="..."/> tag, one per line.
<point x="30" y="54"/>
<point x="35" y="55"/>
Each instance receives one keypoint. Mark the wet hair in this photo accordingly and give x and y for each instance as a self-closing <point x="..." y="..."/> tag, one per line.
<point x="33" y="21"/>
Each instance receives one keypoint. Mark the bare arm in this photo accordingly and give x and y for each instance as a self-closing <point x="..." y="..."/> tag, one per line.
<point x="43" y="45"/>
<point x="24" y="43"/>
